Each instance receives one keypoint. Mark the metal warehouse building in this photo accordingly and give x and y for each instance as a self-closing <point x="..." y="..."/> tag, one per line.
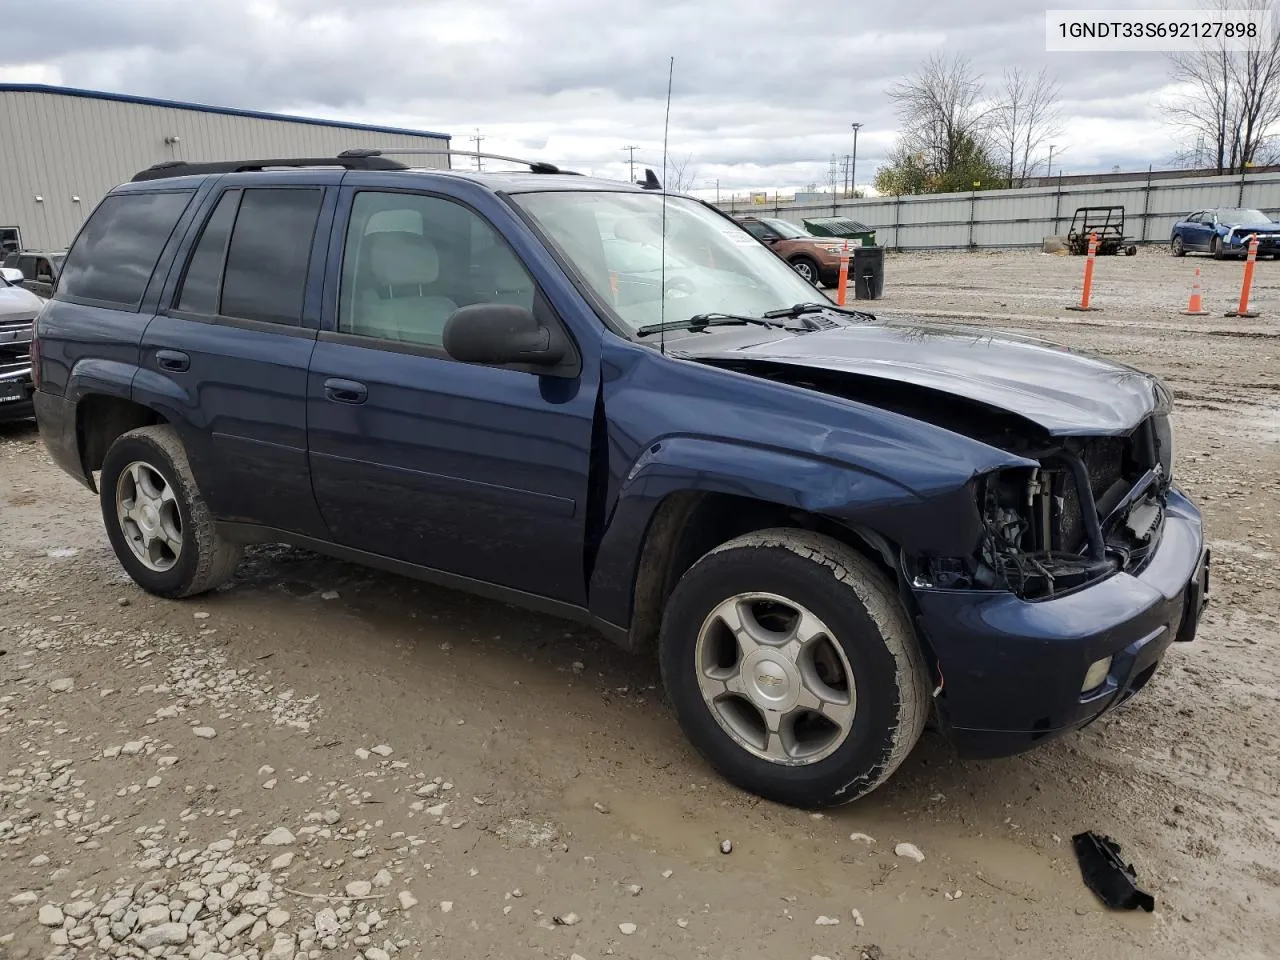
<point x="62" y="149"/>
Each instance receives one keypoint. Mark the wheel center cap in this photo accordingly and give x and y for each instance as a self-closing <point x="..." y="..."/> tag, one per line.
<point x="150" y="516"/>
<point x="770" y="680"/>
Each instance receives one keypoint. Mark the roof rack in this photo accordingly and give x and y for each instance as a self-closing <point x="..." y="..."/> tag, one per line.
<point x="535" y="166"/>
<point x="351" y="160"/>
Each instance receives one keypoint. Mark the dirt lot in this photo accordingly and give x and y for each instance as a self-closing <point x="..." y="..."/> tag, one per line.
<point x="150" y="751"/>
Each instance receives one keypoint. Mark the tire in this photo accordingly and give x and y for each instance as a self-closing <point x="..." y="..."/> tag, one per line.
<point x="863" y="620"/>
<point x="1176" y="248"/>
<point x="807" y="268"/>
<point x="1215" y="248"/>
<point x="138" y="470"/>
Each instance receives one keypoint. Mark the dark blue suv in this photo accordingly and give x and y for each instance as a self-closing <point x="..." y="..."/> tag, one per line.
<point x="597" y="400"/>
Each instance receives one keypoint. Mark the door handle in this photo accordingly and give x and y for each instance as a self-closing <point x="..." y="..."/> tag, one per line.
<point x="174" y="360"/>
<point x="345" y="391"/>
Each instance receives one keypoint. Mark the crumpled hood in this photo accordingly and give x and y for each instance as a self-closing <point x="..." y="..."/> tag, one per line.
<point x="1064" y="392"/>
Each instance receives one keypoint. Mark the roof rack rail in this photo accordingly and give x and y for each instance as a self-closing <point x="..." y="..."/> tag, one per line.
<point x="535" y="166"/>
<point x="354" y="160"/>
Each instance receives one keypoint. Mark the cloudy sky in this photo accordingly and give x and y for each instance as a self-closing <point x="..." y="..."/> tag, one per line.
<point x="765" y="91"/>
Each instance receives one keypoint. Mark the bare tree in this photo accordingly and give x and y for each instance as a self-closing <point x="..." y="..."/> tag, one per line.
<point x="1024" y="118"/>
<point x="682" y="174"/>
<point x="1231" y="98"/>
<point x="942" y="113"/>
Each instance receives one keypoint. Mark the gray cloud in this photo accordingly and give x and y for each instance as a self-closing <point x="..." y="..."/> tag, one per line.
<point x="764" y="93"/>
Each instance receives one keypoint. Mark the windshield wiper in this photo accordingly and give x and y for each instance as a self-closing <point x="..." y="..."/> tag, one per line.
<point x="800" y="309"/>
<point x="700" y="321"/>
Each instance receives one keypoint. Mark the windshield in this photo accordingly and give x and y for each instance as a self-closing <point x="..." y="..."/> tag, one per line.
<point x="788" y="230"/>
<point x="712" y="265"/>
<point x="1243" y="218"/>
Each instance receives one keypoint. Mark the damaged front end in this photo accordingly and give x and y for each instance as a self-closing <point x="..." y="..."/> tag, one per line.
<point x="1092" y="506"/>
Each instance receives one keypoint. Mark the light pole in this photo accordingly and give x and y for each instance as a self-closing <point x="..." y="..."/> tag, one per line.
<point x="853" y="163"/>
<point x="1050" y="173"/>
<point x="631" y="160"/>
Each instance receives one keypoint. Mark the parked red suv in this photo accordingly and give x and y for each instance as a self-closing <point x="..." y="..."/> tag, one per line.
<point x="817" y="259"/>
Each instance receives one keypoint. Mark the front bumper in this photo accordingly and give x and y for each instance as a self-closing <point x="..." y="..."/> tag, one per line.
<point x="1012" y="669"/>
<point x="16" y="393"/>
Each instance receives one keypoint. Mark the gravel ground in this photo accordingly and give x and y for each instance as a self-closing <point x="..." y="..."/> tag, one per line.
<point x="321" y="760"/>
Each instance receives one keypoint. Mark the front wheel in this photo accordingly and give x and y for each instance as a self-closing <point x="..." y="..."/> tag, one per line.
<point x="807" y="268"/>
<point x="157" y="521"/>
<point x="793" y="668"/>
<point x="1176" y="247"/>
<point x="1215" y="248"/>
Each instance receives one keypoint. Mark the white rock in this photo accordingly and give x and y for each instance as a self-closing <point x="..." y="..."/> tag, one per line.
<point x="329" y="595"/>
<point x="282" y="862"/>
<point x="133" y="748"/>
<point x="362" y="753"/>
<point x="331" y="816"/>
<point x="382" y="878"/>
<point x="825" y="922"/>
<point x="49" y="916"/>
<point x="283" y="949"/>
<point x="237" y="925"/>
<point x="818" y="956"/>
<point x="359" y="888"/>
<point x="163" y="935"/>
<point x="200" y="615"/>
<point x="862" y="838"/>
<point x="279" y="837"/>
<point x="376" y="953"/>
<point x="910" y="851"/>
<point x="221" y="846"/>
<point x="429" y="790"/>
<point x="634" y="889"/>
<point x="39" y="860"/>
<point x="78" y="910"/>
<point x="327" y="923"/>
<point x="666" y="874"/>
<point x="278" y="917"/>
<point x="682" y="923"/>
<point x="63" y="685"/>
<point x="568" y="919"/>
<point x="857" y="918"/>
<point x="270" y="784"/>
<point x="167" y="713"/>
<point x="382" y="750"/>
<point x="446" y="906"/>
<point x="153" y="782"/>
<point x="438" y="810"/>
<point x="205" y="733"/>
<point x="627" y="929"/>
<point x="407" y="900"/>
<point x="726" y="846"/>
<point x="256" y="898"/>
<point x="156" y="913"/>
<point x="25" y="899"/>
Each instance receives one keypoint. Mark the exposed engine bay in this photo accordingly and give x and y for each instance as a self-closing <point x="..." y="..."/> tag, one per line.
<point x="1094" y="505"/>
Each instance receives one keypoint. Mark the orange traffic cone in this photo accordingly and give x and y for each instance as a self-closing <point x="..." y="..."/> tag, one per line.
<point x="1195" y="308"/>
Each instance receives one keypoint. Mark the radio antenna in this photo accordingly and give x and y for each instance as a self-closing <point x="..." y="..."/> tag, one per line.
<point x="662" y="293"/>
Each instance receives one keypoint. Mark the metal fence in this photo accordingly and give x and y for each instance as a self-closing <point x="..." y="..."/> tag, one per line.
<point x="1024" y="217"/>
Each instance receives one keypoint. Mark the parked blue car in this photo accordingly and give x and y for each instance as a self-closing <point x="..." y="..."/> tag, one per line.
<point x="828" y="528"/>
<point x="1225" y="232"/>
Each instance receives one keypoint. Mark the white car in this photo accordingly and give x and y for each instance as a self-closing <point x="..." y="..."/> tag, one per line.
<point x="18" y="309"/>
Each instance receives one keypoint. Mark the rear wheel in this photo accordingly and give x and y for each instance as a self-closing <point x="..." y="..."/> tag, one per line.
<point x="806" y="268"/>
<point x="793" y="668"/>
<point x="1215" y="248"/>
<point x="157" y="521"/>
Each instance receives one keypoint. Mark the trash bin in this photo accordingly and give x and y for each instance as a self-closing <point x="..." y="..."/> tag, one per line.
<point x="867" y="268"/>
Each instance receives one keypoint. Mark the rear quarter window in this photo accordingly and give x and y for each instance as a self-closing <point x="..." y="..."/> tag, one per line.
<point x="117" y="250"/>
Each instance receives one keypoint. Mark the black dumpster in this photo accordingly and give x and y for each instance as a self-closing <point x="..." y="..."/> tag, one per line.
<point x="867" y="273"/>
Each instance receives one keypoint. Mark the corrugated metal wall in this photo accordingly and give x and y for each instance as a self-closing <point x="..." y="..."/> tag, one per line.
<point x="1023" y="218"/>
<point x="59" y="147"/>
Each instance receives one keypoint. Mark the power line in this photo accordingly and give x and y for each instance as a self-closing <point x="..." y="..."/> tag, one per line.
<point x="477" y="140"/>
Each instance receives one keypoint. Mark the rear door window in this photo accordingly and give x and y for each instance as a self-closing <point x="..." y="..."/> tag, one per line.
<point x="202" y="284"/>
<point x="118" y="247"/>
<point x="265" y="276"/>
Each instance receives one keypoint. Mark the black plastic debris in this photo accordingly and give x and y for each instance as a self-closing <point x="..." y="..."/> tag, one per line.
<point x="1113" y="880"/>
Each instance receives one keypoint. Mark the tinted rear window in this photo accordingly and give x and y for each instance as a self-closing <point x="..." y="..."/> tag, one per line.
<point x="266" y="271"/>
<point x="117" y="250"/>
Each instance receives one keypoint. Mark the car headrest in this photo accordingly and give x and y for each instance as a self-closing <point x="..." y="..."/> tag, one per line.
<point x="397" y="258"/>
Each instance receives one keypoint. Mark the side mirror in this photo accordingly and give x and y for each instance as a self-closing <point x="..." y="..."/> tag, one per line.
<point x="13" y="275"/>
<point x="499" y="333"/>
